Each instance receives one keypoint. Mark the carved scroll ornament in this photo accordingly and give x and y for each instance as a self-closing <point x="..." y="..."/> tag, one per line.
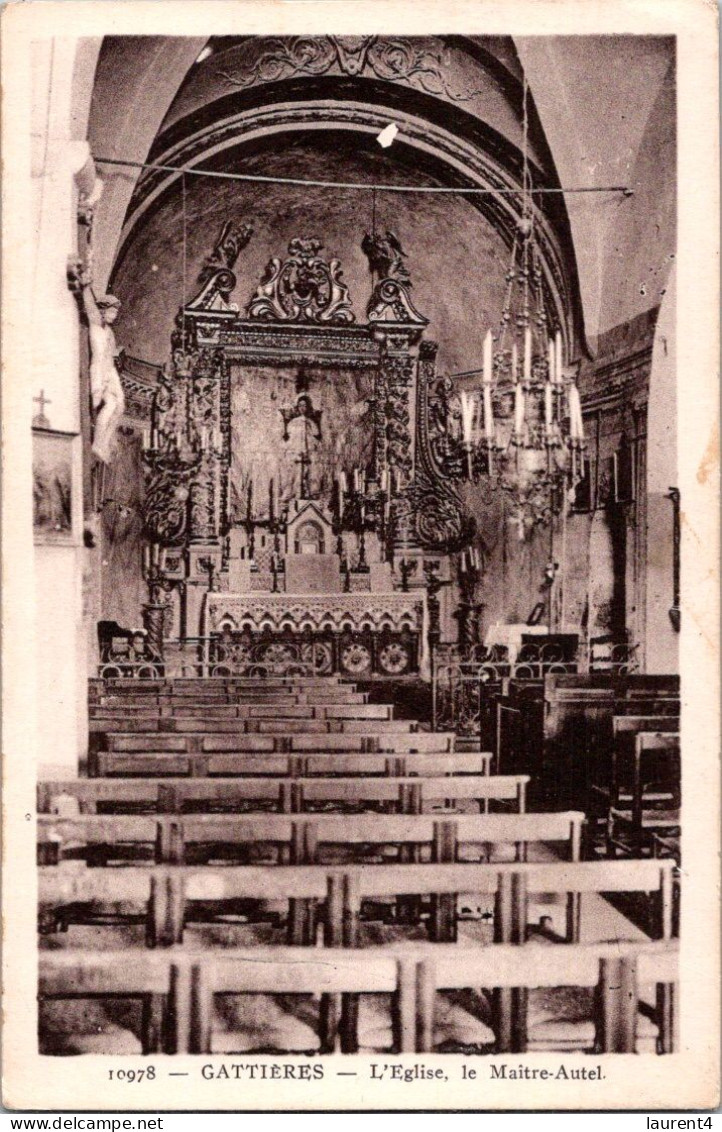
<point x="217" y="279"/>
<point x="303" y="288"/>
<point x="393" y="60"/>
<point x="165" y="508"/>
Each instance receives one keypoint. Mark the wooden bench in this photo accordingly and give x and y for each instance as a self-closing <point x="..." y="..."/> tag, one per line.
<point x="298" y="838"/>
<point x="189" y="754"/>
<point x="217" y="741"/>
<point x="178" y="988"/>
<point x="561" y="731"/>
<point x="167" y="899"/>
<point x="411" y="795"/>
<point x="92" y="793"/>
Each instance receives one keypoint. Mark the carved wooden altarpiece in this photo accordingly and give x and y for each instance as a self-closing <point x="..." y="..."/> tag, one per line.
<point x="288" y="400"/>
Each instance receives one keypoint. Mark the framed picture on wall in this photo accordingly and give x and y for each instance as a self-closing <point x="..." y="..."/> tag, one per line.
<point x="55" y="493"/>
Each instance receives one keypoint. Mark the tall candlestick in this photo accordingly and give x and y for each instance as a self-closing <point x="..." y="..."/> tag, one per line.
<point x="488" y="413"/>
<point x="552" y="361"/>
<point x="558" y="352"/>
<point x="467" y="416"/>
<point x="527" y="354"/>
<point x="514" y="363"/>
<point x="548" y="404"/>
<point x="271" y="502"/>
<point x="518" y="411"/>
<point x="488" y="358"/>
<point x="249" y="504"/>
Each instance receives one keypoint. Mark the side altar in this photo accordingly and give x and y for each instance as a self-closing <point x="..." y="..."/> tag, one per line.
<point x="295" y="492"/>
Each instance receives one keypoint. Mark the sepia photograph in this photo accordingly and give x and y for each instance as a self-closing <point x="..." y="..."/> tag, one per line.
<point x="352" y="387"/>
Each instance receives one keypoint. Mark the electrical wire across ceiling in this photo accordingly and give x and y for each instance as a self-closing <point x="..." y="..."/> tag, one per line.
<point x="360" y="186"/>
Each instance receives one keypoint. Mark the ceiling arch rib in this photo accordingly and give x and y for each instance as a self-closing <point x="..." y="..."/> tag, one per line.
<point x="451" y="161"/>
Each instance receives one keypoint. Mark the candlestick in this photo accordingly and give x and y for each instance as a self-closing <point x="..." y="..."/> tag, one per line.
<point x="467" y="416"/>
<point x="488" y="413"/>
<point x="518" y="411"/>
<point x="271" y="501"/>
<point x="552" y="361"/>
<point x="514" y="363"/>
<point x="488" y="358"/>
<point x="559" y="376"/>
<point x="249" y="502"/>
<point x="547" y="404"/>
<point x="527" y="354"/>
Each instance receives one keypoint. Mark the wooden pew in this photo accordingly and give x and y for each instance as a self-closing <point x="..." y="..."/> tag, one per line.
<point x="224" y="754"/>
<point x="413" y="975"/>
<point x="411" y="795"/>
<point x="217" y="741"/>
<point x="94" y="792"/>
<point x="561" y="731"/>
<point x="167" y="899"/>
<point x="192" y="685"/>
<point x="299" y="837"/>
<point x="338" y="693"/>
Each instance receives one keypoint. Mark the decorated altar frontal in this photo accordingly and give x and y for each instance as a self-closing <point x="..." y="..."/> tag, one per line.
<point x="355" y="635"/>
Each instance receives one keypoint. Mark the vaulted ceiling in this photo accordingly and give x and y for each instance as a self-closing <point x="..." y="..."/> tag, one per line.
<point x="601" y="112"/>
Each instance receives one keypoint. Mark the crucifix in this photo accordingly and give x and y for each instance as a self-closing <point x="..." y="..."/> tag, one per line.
<point x="40" y="420"/>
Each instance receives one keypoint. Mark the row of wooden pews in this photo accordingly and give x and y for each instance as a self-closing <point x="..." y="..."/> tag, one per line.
<point x="604" y="743"/>
<point x="232" y="832"/>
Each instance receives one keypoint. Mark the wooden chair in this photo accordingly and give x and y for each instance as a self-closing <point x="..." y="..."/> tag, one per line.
<point x="645" y="794"/>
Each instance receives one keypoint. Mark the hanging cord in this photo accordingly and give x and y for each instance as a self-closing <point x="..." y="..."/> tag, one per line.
<point x="526" y="208"/>
<point x="185" y="259"/>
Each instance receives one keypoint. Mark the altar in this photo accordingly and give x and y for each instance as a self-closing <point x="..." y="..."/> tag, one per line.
<point x="294" y="508"/>
<point x="351" y="634"/>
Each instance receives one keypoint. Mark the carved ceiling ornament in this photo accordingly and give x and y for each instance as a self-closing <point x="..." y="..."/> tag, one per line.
<point x="303" y="288"/>
<point x="393" y="60"/>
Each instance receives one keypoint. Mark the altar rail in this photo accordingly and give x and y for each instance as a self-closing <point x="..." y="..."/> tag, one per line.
<point x="353" y="655"/>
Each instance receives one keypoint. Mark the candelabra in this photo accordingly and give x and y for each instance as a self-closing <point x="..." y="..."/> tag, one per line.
<point x="521" y="429"/>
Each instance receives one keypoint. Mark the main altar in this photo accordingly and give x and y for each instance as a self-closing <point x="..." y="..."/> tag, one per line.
<point x="295" y="503"/>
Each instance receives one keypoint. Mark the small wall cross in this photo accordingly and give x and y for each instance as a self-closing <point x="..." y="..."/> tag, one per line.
<point x="40" y="420"/>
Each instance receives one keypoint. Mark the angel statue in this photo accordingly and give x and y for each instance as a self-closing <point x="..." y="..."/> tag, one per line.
<point x="386" y="256"/>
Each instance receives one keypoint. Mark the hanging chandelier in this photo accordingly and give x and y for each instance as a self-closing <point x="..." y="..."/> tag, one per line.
<point x="521" y="428"/>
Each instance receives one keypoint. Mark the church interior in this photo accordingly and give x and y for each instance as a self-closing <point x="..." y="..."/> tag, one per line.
<point x="356" y="530"/>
